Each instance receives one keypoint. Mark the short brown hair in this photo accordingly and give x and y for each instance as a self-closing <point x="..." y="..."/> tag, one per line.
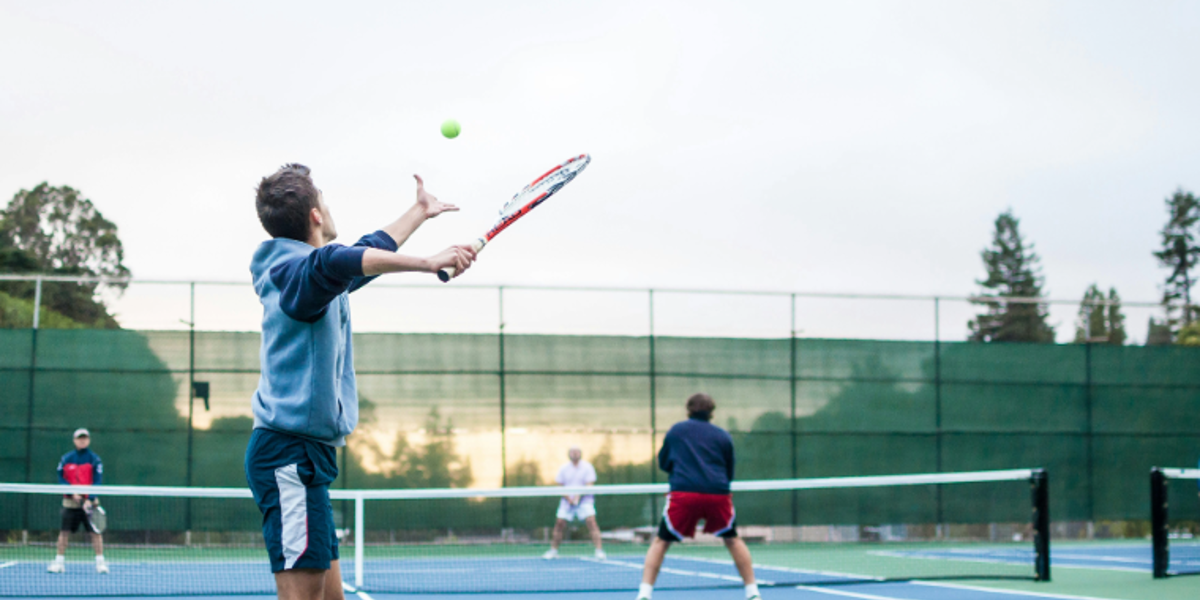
<point x="284" y="200"/>
<point x="701" y="406"/>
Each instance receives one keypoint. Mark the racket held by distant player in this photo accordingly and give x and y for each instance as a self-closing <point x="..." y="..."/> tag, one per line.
<point x="526" y="200"/>
<point x="97" y="518"/>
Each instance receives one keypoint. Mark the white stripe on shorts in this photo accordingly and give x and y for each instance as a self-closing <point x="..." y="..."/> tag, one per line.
<point x="293" y="511"/>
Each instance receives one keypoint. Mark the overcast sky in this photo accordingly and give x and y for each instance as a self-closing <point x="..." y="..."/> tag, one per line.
<point x="815" y="146"/>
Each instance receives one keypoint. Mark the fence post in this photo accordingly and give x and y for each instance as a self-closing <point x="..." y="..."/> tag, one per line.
<point x="653" y="399"/>
<point x="187" y="517"/>
<point x="1091" y="460"/>
<point x="792" y="423"/>
<point x="503" y="417"/>
<point x="33" y="340"/>
<point x="359" y="536"/>
<point x="937" y="404"/>
<point x="37" y="301"/>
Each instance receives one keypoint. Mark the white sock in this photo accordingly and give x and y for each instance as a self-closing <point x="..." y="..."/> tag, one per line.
<point x="645" y="590"/>
<point x="99" y="558"/>
<point x="60" y="558"/>
<point x="751" y="590"/>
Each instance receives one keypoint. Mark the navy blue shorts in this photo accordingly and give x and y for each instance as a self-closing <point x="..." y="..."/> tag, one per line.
<point x="290" y="479"/>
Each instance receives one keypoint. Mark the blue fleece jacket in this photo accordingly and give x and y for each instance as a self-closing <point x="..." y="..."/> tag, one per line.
<point x="307" y="385"/>
<point x="698" y="456"/>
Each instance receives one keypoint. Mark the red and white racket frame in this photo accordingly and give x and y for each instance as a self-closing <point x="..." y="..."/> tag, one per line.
<point x="578" y="162"/>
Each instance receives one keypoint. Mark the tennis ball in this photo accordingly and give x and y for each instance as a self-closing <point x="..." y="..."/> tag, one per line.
<point x="451" y="129"/>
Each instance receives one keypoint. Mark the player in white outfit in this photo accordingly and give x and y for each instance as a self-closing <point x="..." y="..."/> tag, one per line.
<point x="577" y="472"/>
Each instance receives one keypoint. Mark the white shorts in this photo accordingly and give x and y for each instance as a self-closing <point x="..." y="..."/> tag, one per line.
<point x="580" y="511"/>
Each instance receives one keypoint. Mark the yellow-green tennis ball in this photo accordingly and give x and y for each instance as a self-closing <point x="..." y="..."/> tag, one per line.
<point x="451" y="129"/>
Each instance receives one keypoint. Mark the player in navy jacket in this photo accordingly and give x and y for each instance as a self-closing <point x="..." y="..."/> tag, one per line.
<point x="307" y="400"/>
<point x="698" y="457"/>
<point x="79" y="467"/>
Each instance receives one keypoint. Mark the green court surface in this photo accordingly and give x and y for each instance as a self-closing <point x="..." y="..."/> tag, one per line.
<point x="1104" y="583"/>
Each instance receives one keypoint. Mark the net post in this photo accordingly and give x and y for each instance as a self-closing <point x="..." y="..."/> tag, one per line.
<point x="1159" y="522"/>
<point x="1041" y="524"/>
<point x="358" y="541"/>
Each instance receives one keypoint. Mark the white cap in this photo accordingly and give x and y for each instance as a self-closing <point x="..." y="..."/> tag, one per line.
<point x="81" y="432"/>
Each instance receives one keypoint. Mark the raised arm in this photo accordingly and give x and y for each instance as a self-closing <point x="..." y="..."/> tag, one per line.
<point x="377" y="262"/>
<point x="426" y="207"/>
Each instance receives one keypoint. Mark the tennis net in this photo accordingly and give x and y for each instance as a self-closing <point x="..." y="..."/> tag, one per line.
<point x="1176" y="547"/>
<point x="829" y="531"/>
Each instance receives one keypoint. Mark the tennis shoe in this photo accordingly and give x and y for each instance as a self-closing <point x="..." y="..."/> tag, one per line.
<point x="102" y="567"/>
<point x="600" y="555"/>
<point x="550" y="554"/>
<point x="56" y="567"/>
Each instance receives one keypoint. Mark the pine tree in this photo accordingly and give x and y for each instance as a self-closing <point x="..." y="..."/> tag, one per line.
<point x="1012" y="272"/>
<point x="1179" y="253"/>
<point x="1116" y="319"/>
<point x="1158" y="333"/>
<point x="1100" y="319"/>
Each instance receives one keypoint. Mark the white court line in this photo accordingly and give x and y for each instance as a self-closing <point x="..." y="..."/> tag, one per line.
<point x="960" y="586"/>
<point x="898" y="554"/>
<point x="833" y="592"/>
<point x="674" y="571"/>
<point x="361" y="594"/>
<point x="8" y="564"/>
<point x="863" y="578"/>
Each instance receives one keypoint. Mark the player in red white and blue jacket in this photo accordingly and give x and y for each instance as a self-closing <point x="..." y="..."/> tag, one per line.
<point x="79" y="467"/>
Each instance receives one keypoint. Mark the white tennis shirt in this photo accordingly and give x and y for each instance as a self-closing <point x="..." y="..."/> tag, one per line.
<point x="582" y="474"/>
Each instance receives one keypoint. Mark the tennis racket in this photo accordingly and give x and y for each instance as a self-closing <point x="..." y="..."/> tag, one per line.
<point x="526" y="200"/>
<point x="97" y="518"/>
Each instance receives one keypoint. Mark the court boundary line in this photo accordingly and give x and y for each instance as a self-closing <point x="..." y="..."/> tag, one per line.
<point x="845" y="593"/>
<point x="726" y="562"/>
<point x="673" y="571"/>
<point x="351" y="589"/>
<point x="1101" y="567"/>
<point x="1006" y="591"/>
<point x="11" y="563"/>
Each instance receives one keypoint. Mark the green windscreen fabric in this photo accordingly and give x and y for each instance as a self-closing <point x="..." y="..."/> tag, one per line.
<point x="455" y="410"/>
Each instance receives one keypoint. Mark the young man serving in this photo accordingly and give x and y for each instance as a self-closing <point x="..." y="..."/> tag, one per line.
<point x="307" y="400"/>
<point x="698" y="456"/>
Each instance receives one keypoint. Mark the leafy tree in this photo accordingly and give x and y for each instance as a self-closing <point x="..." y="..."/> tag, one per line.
<point x="16" y="313"/>
<point x="1179" y="253"/>
<point x="435" y="464"/>
<point x="1012" y="271"/>
<point x="55" y="230"/>
<point x="1189" y="335"/>
<point x="1100" y="318"/>
<point x="523" y="473"/>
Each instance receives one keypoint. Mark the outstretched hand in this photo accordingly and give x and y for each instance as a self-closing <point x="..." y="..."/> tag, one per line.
<point x="429" y="203"/>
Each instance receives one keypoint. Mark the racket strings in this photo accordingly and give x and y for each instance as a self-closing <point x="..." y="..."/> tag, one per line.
<point x="546" y="185"/>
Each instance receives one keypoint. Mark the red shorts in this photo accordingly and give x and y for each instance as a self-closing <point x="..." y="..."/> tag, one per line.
<point x="685" y="509"/>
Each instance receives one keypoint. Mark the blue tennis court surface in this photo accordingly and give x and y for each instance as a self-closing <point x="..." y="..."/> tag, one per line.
<point x="687" y="574"/>
<point x="873" y="591"/>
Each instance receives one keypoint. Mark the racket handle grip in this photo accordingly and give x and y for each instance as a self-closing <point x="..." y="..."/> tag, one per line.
<point x="447" y="273"/>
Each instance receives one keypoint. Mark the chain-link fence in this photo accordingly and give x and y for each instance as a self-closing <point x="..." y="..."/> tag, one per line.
<point x="499" y="396"/>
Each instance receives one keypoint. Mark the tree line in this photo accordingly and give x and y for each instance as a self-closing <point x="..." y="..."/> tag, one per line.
<point x="1015" y="284"/>
<point x="57" y="231"/>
